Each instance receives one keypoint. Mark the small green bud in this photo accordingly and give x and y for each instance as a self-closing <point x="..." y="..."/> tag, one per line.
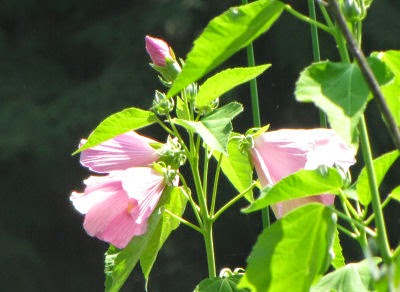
<point x="246" y="143"/>
<point x="353" y="10"/>
<point x="161" y="104"/>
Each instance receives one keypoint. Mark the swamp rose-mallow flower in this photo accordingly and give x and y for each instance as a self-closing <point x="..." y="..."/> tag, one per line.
<point x="158" y="50"/>
<point x="277" y="154"/>
<point x="118" y="205"/>
<point x="124" y="151"/>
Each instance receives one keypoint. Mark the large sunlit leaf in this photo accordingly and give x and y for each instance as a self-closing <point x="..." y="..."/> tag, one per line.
<point x="236" y="166"/>
<point x="119" y="123"/>
<point x="391" y="91"/>
<point x="302" y="183"/>
<point x="224" y="81"/>
<point x="224" y="36"/>
<point x="339" y="89"/>
<point x="216" y="127"/>
<point x="352" y="277"/>
<point x="293" y="252"/>
<point x="119" y="263"/>
<point x="226" y="284"/>
<point x="381" y="166"/>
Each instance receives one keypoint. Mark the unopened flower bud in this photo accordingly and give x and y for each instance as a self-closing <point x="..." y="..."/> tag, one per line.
<point x="353" y="10"/>
<point x="158" y="50"/>
<point x="163" y="58"/>
<point x="161" y="104"/>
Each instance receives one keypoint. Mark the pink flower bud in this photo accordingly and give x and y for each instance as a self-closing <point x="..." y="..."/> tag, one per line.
<point x="158" y="50"/>
<point x="277" y="154"/>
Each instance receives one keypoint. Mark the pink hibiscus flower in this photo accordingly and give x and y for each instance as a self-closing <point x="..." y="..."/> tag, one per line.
<point x="277" y="154"/>
<point x="118" y="205"/>
<point x="124" y="151"/>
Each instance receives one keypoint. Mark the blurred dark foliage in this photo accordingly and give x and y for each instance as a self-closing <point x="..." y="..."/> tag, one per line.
<point x="67" y="64"/>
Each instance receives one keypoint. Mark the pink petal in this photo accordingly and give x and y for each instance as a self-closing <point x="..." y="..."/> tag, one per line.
<point x="118" y="205"/>
<point x="277" y="154"/>
<point x="145" y="185"/>
<point x="281" y="156"/>
<point x="124" y="151"/>
<point x="282" y="208"/>
<point x="98" y="189"/>
<point x="111" y="221"/>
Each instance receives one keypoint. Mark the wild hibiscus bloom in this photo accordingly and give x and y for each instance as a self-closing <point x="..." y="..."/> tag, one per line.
<point x="124" y="151"/>
<point x="277" y="154"/>
<point x="118" y="205"/>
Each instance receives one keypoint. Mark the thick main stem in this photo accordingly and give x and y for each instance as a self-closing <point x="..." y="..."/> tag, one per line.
<point x="209" y="244"/>
<point x="375" y="199"/>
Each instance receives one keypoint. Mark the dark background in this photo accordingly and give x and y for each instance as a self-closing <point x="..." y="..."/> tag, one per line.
<point x="67" y="64"/>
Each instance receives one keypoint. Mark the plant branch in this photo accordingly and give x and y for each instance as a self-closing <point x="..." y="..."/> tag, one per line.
<point x="375" y="199"/>
<point x="305" y="18"/>
<point x="184" y="221"/>
<point x="233" y="201"/>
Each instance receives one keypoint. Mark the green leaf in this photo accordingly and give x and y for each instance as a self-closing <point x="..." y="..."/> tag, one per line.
<point x="339" y="89"/>
<point x="226" y="284"/>
<point x="224" y="81"/>
<point x="338" y="259"/>
<point x="381" y="166"/>
<point x="119" y="123"/>
<point x="225" y="35"/>
<point x="215" y="127"/>
<point x="352" y="277"/>
<point x="293" y="252"/>
<point x="391" y="91"/>
<point x="176" y="205"/>
<point x="237" y="166"/>
<point x="119" y="263"/>
<point x="303" y="183"/>
<point x="181" y="112"/>
<point x="395" y="193"/>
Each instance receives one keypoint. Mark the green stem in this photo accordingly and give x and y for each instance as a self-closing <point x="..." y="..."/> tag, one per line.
<point x="349" y="206"/>
<point x="184" y="221"/>
<point x="305" y="18"/>
<point x="316" y="51"/>
<point x="233" y="201"/>
<point x="375" y="199"/>
<point x="384" y="204"/>
<point x="265" y="217"/>
<point x="205" y="173"/>
<point x="209" y="244"/>
<point x="346" y="231"/>
<point x="192" y="203"/>
<point x="352" y="221"/>
<point x="215" y="187"/>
